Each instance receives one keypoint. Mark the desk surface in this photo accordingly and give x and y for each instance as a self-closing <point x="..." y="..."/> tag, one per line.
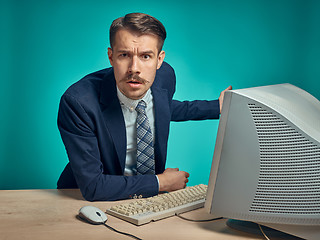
<point x="51" y="214"/>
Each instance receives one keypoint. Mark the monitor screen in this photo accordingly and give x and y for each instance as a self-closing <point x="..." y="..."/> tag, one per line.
<point x="266" y="163"/>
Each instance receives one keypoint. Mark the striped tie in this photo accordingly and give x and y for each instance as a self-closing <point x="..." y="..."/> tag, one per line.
<point x="145" y="151"/>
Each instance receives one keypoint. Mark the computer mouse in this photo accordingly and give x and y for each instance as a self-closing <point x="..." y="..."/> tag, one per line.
<point x="92" y="215"/>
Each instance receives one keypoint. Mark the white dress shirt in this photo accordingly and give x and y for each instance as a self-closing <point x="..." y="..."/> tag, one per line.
<point x="130" y="118"/>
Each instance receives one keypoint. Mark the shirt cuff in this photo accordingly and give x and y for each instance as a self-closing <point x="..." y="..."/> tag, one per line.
<point x="158" y="183"/>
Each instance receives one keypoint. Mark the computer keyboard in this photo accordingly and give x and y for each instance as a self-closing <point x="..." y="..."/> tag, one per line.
<point x="142" y="211"/>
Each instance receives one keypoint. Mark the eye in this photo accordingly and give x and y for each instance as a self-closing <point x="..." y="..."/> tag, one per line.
<point x="123" y="54"/>
<point x="146" y="56"/>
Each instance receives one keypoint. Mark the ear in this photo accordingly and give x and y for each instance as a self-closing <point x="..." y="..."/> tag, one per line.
<point x="110" y="56"/>
<point x="161" y="56"/>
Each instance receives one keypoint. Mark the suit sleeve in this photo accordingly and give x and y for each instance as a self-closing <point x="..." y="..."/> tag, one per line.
<point x="78" y="133"/>
<point x="186" y="110"/>
<point x="194" y="110"/>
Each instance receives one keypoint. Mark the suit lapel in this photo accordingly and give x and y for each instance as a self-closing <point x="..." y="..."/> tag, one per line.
<point x="162" y="123"/>
<point x="113" y="116"/>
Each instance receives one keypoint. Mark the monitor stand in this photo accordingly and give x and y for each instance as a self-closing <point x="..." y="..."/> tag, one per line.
<point x="253" y="228"/>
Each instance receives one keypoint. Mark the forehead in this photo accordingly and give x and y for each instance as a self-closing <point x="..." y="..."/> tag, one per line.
<point x="125" y="39"/>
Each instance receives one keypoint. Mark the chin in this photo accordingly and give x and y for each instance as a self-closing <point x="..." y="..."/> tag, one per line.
<point x="134" y="96"/>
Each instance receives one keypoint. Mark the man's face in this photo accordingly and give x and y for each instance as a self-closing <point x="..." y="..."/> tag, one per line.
<point x="135" y="60"/>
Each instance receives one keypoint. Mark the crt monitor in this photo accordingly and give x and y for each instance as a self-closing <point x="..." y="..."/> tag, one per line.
<point x="266" y="163"/>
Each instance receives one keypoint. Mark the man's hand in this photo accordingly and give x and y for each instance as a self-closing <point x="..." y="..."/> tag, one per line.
<point x="172" y="179"/>
<point x="222" y="96"/>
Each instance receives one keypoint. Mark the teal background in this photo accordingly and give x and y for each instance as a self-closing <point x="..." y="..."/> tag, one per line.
<point x="47" y="45"/>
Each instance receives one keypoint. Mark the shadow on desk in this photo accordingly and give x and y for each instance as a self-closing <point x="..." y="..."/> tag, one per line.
<point x="71" y="193"/>
<point x="222" y="228"/>
<point x="216" y="226"/>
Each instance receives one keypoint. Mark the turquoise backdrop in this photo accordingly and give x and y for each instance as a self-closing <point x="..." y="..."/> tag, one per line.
<point x="47" y="45"/>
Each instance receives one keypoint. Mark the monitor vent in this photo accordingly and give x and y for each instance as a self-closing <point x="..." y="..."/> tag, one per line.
<point x="289" y="178"/>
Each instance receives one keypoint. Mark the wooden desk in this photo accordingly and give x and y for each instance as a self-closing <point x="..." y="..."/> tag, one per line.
<point x="51" y="214"/>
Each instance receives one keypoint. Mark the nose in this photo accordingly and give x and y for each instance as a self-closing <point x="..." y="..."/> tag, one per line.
<point x="134" y="67"/>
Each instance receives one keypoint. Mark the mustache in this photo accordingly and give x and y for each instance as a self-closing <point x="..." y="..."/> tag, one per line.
<point x="135" y="77"/>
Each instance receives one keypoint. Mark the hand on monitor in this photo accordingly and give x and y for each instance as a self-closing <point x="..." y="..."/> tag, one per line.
<point x="222" y="96"/>
<point x="172" y="179"/>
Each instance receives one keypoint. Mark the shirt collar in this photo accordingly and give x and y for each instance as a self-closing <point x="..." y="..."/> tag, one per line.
<point x="132" y="104"/>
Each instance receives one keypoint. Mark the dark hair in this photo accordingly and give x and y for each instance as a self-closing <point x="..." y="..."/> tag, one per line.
<point x="138" y="23"/>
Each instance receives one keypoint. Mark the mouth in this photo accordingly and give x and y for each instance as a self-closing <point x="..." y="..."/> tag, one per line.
<point x="134" y="82"/>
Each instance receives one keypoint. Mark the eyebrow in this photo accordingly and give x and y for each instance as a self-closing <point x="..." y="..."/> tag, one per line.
<point x="143" y="52"/>
<point x="148" y="52"/>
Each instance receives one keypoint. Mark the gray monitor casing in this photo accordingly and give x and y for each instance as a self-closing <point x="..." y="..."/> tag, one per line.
<point x="266" y="164"/>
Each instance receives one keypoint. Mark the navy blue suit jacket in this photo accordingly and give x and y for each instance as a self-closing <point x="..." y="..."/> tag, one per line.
<point x="92" y="128"/>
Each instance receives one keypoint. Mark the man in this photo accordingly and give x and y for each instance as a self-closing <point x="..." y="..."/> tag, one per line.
<point x="101" y="118"/>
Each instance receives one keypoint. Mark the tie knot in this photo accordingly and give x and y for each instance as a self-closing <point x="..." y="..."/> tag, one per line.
<point x="141" y="106"/>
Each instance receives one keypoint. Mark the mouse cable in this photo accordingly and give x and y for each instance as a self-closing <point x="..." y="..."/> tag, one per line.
<point x="263" y="232"/>
<point x="127" y="234"/>
<point x="201" y="220"/>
